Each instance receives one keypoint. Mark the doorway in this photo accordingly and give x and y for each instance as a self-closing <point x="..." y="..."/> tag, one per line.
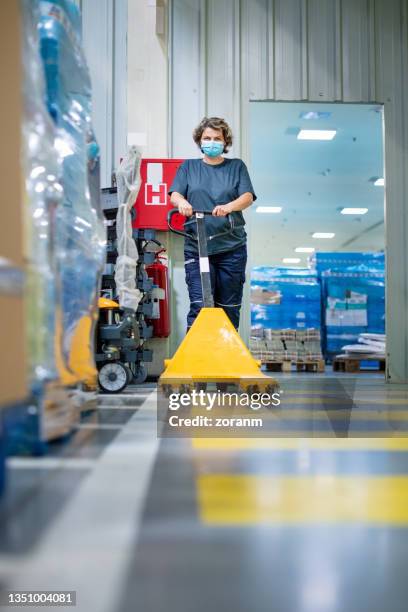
<point x="317" y="236"/>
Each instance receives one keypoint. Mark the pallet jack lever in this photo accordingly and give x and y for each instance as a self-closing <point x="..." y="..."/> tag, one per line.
<point x="197" y="214"/>
<point x="205" y="276"/>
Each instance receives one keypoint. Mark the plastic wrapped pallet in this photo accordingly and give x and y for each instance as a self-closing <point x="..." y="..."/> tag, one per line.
<point x="43" y="195"/>
<point x="128" y="183"/>
<point x="284" y="298"/>
<point x="49" y="413"/>
<point x="80" y="232"/>
<point x="339" y="261"/>
<point x="354" y="303"/>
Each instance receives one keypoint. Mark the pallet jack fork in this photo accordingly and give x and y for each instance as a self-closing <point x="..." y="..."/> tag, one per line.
<point x="212" y="351"/>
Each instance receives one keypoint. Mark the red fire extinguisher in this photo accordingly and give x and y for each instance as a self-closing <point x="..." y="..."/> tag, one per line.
<point x="158" y="271"/>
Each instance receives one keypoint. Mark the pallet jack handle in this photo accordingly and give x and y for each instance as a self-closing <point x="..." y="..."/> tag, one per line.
<point x="175" y="211"/>
<point x="208" y="300"/>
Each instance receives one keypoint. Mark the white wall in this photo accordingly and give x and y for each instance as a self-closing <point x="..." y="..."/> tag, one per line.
<point x="147" y="76"/>
<point x="233" y="51"/>
<point x="104" y="29"/>
<point x="148" y="127"/>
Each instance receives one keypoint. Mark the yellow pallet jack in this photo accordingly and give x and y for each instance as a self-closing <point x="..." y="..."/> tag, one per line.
<point x="212" y="350"/>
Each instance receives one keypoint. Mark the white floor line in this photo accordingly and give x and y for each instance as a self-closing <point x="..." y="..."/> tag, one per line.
<point x="118" y="396"/>
<point x="116" y="407"/>
<point x="88" y="548"/>
<point x="47" y="463"/>
<point x="114" y="426"/>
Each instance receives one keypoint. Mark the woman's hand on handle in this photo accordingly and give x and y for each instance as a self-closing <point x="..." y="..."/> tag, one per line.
<point x="222" y="210"/>
<point x="240" y="203"/>
<point x="185" y="209"/>
<point x="183" y="206"/>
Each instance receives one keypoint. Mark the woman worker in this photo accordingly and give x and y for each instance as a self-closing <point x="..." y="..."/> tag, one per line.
<point x="221" y="185"/>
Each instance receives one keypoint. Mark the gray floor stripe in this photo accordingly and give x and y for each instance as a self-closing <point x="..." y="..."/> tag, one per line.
<point x="89" y="547"/>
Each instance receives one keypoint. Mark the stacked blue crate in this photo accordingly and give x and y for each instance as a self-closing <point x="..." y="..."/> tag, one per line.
<point x="329" y="261"/>
<point x="353" y="293"/>
<point x="285" y="298"/>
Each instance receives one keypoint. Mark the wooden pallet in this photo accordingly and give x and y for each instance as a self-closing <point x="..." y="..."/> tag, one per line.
<point x="344" y="363"/>
<point x="286" y="366"/>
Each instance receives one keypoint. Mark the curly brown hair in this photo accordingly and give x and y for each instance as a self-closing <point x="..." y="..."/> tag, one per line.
<point x="216" y="123"/>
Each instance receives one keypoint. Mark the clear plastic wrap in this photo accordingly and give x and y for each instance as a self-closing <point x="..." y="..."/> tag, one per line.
<point x="128" y="185"/>
<point x="43" y="195"/>
<point x="80" y="231"/>
<point x="354" y="302"/>
<point x="285" y="298"/>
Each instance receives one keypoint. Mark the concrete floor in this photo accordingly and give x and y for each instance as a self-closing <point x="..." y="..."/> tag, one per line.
<point x="300" y="524"/>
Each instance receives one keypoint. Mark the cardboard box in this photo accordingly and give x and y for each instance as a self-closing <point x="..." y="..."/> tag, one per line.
<point x="13" y="375"/>
<point x="11" y="226"/>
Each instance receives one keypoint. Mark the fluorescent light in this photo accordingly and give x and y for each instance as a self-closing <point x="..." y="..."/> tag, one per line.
<point x="317" y="134"/>
<point x="291" y="260"/>
<point x="314" y="115"/>
<point x="379" y="182"/>
<point x="323" y="235"/>
<point x="305" y="250"/>
<point x="354" y="211"/>
<point x="269" y="209"/>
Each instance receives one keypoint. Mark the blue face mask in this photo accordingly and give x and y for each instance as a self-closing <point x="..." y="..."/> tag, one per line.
<point x="212" y="148"/>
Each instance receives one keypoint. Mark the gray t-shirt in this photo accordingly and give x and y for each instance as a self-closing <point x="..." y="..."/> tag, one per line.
<point x="205" y="186"/>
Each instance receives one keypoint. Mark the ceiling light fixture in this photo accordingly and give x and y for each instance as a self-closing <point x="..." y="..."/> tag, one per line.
<point x="354" y="211"/>
<point x="316" y="134"/>
<point x="314" y="115"/>
<point x="269" y="209"/>
<point x="379" y="182"/>
<point x="305" y="250"/>
<point x="291" y="260"/>
<point x="323" y="235"/>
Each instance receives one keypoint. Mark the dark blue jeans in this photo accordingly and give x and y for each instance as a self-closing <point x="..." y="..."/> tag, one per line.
<point x="227" y="282"/>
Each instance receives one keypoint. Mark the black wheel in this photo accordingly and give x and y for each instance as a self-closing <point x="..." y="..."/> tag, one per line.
<point x="200" y="386"/>
<point x="222" y="387"/>
<point x="140" y="374"/>
<point x="166" y="390"/>
<point x="184" y="389"/>
<point x="130" y="374"/>
<point x="252" y="389"/>
<point x="113" y="377"/>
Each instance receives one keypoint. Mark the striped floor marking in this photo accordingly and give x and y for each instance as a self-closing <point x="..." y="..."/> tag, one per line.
<point x="226" y="499"/>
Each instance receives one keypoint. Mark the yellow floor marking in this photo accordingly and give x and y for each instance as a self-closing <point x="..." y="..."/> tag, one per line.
<point x="301" y="443"/>
<point x="355" y="390"/>
<point x="340" y="414"/>
<point x="249" y="500"/>
<point x="322" y="401"/>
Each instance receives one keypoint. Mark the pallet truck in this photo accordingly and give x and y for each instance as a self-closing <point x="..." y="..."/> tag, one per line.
<point x="212" y="351"/>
